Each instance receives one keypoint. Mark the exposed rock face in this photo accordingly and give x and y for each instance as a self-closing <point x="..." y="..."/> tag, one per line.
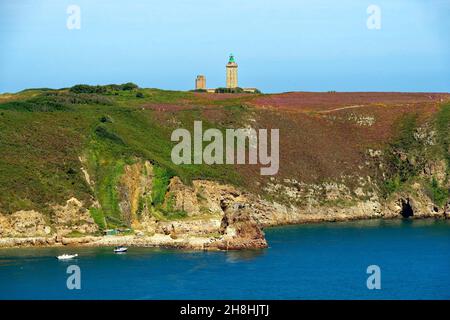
<point x="447" y="210"/>
<point x="73" y="217"/>
<point x="26" y="242"/>
<point x="77" y="241"/>
<point x="300" y="193"/>
<point x="204" y="197"/>
<point x="182" y="198"/>
<point x="413" y="206"/>
<point x="239" y="229"/>
<point x="436" y="169"/>
<point x="272" y="214"/>
<point x="198" y="227"/>
<point x="135" y="184"/>
<point x="24" y="224"/>
<point x="65" y="219"/>
<point x="212" y="194"/>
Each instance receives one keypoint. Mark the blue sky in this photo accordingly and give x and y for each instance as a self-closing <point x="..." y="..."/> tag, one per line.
<point x="283" y="45"/>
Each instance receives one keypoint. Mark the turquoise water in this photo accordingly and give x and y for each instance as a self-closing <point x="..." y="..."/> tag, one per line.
<point x="326" y="261"/>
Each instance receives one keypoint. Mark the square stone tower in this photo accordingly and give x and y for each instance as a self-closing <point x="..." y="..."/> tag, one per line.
<point x="200" y="82"/>
<point x="232" y="73"/>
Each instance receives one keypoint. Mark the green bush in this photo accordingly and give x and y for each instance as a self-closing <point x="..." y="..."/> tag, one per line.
<point x="34" y="105"/>
<point x="438" y="194"/>
<point x="390" y="186"/>
<point x="405" y="156"/>
<point x="103" y="132"/>
<point x="55" y="101"/>
<point x="68" y="98"/>
<point x="85" y="88"/>
<point x="229" y="90"/>
<point x="106" y="119"/>
<point x="129" y="86"/>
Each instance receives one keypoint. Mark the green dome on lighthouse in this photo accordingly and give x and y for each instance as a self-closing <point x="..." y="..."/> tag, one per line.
<point x="232" y="73"/>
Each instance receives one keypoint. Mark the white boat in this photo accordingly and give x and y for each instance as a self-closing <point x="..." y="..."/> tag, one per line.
<point x="67" y="256"/>
<point x="120" y="249"/>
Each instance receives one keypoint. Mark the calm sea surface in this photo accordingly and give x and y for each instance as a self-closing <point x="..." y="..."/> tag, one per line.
<point x="323" y="261"/>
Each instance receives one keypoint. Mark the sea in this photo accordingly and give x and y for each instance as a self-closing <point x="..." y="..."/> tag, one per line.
<point x="373" y="259"/>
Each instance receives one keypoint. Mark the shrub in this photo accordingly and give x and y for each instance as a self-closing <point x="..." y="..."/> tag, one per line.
<point x="37" y="104"/>
<point x="404" y="156"/>
<point x="85" y="88"/>
<point x="438" y="194"/>
<point x="129" y="86"/>
<point x="55" y="101"/>
<point x="229" y="90"/>
<point x="68" y="98"/>
<point x="405" y="152"/>
<point x="105" y="119"/>
<point x="106" y="134"/>
<point x="390" y="186"/>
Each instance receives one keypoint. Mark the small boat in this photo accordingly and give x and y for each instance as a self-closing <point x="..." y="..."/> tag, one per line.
<point x="120" y="249"/>
<point x="67" y="256"/>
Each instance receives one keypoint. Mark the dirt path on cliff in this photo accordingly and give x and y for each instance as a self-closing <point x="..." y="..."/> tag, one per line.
<point x="342" y="108"/>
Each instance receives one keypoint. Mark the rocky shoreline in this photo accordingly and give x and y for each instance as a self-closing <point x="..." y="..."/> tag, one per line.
<point x="217" y="216"/>
<point x="168" y="242"/>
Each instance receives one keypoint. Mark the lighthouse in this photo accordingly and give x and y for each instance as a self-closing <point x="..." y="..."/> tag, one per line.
<point x="232" y="73"/>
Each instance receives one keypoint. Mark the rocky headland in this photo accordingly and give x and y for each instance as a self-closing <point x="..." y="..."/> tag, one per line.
<point x="90" y="167"/>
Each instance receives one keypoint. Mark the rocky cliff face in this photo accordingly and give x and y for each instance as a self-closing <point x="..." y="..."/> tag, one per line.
<point x="134" y="190"/>
<point x="239" y="229"/>
<point x="24" y="224"/>
<point x="72" y="217"/>
<point x="223" y="216"/>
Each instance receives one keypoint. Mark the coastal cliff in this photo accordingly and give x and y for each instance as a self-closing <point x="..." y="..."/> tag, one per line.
<point x="99" y="164"/>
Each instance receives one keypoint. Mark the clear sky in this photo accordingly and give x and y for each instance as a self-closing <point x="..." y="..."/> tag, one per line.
<point x="279" y="45"/>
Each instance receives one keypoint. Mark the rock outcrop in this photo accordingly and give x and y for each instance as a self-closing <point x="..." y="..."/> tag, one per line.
<point x="73" y="217"/>
<point x="135" y="185"/>
<point x="24" y="224"/>
<point x="182" y="198"/>
<point x="239" y="229"/>
<point x="203" y="197"/>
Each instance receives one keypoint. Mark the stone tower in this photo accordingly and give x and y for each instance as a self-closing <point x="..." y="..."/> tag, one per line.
<point x="232" y="74"/>
<point x="200" y="82"/>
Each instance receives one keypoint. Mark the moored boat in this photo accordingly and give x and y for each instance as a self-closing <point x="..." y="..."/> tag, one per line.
<point x="67" y="256"/>
<point x="120" y="249"/>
